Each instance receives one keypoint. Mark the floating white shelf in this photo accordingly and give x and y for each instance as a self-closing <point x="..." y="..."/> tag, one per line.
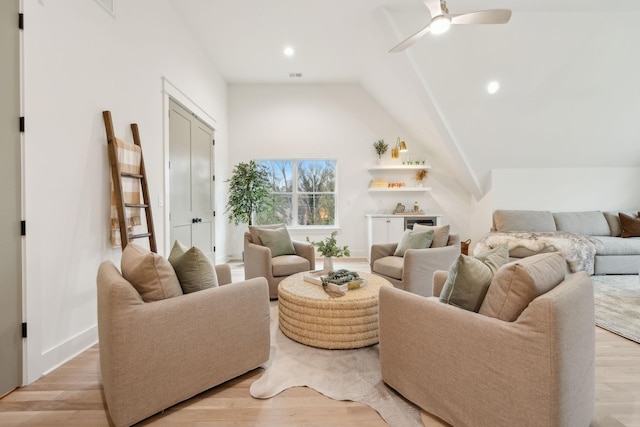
<point x="399" y="167"/>
<point x="397" y="190"/>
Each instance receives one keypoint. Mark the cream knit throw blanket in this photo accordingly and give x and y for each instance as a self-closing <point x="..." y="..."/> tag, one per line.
<point x="579" y="251"/>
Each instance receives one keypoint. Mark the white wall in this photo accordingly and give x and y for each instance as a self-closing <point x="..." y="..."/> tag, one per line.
<point x="339" y="121"/>
<point x="79" y="61"/>
<point x="557" y="190"/>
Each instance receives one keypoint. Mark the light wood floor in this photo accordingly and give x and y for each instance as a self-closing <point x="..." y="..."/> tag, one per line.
<point x="72" y="396"/>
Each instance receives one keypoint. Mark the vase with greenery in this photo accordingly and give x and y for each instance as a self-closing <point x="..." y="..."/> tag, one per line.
<point x="329" y="248"/>
<point x="248" y="192"/>
<point x="381" y="147"/>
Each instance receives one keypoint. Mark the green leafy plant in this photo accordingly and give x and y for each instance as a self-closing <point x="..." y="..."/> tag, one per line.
<point x="329" y="247"/>
<point x="248" y="192"/>
<point x="381" y="147"/>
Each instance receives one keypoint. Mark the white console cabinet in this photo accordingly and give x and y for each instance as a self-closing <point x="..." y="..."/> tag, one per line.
<point x="385" y="229"/>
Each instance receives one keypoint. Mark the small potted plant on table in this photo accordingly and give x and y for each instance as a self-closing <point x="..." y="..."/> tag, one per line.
<point x="329" y="248"/>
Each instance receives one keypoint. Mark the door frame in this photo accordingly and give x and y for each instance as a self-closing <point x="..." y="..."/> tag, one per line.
<point x="169" y="90"/>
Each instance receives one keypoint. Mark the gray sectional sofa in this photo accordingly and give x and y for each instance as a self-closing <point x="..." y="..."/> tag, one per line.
<point x="589" y="241"/>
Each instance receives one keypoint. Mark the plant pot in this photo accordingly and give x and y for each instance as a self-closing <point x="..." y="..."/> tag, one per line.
<point x="328" y="264"/>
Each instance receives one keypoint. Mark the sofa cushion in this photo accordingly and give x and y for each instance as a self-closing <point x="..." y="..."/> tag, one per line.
<point x="617" y="246"/>
<point x="630" y="225"/>
<point x="518" y="283"/>
<point x="253" y="231"/>
<point x="413" y="239"/>
<point x="277" y="240"/>
<point x="149" y="273"/>
<point x="390" y="266"/>
<point x="194" y="268"/>
<point x="440" y="234"/>
<point x="469" y="278"/>
<point x="286" y="265"/>
<point x="519" y="220"/>
<point x="591" y="223"/>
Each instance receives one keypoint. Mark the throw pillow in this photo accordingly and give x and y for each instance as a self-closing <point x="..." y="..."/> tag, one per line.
<point x="518" y="283"/>
<point x="440" y="234"/>
<point x="149" y="273"/>
<point x="253" y="230"/>
<point x="193" y="267"/>
<point x="277" y="240"/>
<point x="413" y="240"/>
<point x="630" y="225"/>
<point x="470" y="277"/>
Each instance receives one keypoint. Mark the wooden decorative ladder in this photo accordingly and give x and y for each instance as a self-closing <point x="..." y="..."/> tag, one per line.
<point x="117" y="176"/>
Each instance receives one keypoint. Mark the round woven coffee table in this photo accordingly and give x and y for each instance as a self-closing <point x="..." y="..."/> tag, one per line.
<point x="309" y="316"/>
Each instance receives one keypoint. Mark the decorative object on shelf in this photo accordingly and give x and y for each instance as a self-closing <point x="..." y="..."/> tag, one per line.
<point x="379" y="183"/>
<point x="400" y="147"/>
<point x="329" y="248"/>
<point x="248" y="192"/>
<point x="381" y="147"/>
<point x="421" y="175"/>
<point x="399" y="208"/>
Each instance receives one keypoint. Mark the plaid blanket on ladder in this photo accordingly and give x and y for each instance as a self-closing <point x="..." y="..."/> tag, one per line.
<point x="129" y="156"/>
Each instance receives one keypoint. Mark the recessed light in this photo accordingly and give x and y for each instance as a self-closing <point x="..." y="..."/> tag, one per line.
<point x="493" y="87"/>
<point x="288" y="51"/>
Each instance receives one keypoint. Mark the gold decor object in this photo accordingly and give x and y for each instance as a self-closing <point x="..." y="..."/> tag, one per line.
<point x="400" y="147"/>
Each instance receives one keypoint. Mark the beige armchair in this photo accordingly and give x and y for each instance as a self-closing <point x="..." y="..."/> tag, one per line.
<point x="154" y="355"/>
<point x="413" y="272"/>
<point x="259" y="263"/>
<point x="474" y="370"/>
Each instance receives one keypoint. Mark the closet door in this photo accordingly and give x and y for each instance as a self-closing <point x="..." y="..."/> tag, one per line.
<point x="191" y="168"/>
<point x="10" y="194"/>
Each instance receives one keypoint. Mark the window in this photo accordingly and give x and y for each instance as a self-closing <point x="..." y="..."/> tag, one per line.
<point x="303" y="193"/>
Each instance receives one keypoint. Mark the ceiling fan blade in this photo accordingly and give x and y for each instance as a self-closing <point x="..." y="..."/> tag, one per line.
<point x="434" y="7"/>
<point x="495" y="16"/>
<point x="411" y="40"/>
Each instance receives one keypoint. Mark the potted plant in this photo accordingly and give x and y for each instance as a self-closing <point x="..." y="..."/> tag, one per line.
<point x="248" y="192"/>
<point x="329" y="248"/>
<point x="381" y="147"/>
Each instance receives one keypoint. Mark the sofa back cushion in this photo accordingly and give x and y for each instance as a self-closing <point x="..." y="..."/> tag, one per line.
<point x="591" y="223"/>
<point x="518" y="283"/>
<point x="149" y="273"/>
<point x="518" y="220"/>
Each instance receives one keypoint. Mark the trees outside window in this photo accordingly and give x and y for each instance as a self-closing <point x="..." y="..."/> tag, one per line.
<point x="302" y="192"/>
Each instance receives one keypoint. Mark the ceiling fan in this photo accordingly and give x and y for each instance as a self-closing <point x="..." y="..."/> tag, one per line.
<point x="441" y="20"/>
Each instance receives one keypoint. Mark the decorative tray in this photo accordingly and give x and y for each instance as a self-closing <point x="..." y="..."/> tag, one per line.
<point x="318" y="277"/>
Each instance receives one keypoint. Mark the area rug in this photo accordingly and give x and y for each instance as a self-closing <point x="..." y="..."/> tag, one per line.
<point x="617" y="303"/>
<point x="339" y="374"/>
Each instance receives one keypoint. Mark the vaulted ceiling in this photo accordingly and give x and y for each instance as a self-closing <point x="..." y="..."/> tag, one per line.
<point x="568" y="69"/>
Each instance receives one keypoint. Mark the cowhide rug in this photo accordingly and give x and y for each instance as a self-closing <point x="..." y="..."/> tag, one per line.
<point x="339" y="374"/>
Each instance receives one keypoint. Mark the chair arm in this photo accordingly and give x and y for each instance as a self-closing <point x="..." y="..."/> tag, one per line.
<point x="420" y="264"/>
<point x="223" y="272"/>
<point x="154" y="355"/>
<point x="439" y="278"/>
<point x="257" y="261"/>
<point x="306" y="250"/>
<point x="381" y="250"/>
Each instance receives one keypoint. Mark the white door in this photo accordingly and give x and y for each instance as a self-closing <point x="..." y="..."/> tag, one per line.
<point x="191" y="168"/>
<point x="10" y="208"/>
